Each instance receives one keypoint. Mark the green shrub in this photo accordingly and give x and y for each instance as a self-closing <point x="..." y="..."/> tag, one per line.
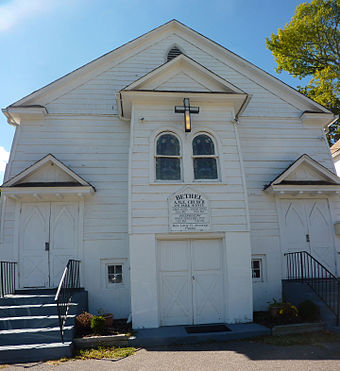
<point x="98" y="324"/>
<point x="309" y="311"/>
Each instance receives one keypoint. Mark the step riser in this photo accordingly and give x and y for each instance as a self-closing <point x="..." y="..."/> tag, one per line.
<point x="35" y="337"/>
<point x="26" y="301"/>
<point x="34" y="311"/>
<point x="34" y="355"/>
<point x="32" y="323"/>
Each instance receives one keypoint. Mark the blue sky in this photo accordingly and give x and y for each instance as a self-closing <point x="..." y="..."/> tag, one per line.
<point x="42" y="40"/>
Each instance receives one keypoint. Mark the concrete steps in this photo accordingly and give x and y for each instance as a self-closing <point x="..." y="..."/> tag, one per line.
<point x="29" y="327"/>
<point x="34" y="352"/>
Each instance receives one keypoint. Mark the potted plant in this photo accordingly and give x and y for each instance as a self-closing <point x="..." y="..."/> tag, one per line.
<point x="108" y="317"/>
<point x="274" y="308"/>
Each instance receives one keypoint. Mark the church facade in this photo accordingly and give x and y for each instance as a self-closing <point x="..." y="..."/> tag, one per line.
<point x="179" y="175"/>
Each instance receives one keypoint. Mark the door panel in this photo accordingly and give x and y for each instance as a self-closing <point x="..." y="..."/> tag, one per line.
<point x="295" y="225"/>
<point x="55" y="223"/>
<point x="34" y="233"/>
<point x="63" y="238"/>
<point x="175" y="283"/>
<point x="321" y="243"/>
<point x="207" y="282"/>
<point x="307" y="227"/>
<point x="191" y="282"/>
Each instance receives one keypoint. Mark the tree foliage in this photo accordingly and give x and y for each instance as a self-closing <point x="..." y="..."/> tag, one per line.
<point x="309" y="46"/>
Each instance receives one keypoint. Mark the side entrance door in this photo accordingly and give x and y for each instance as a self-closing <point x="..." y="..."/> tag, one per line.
<point x="307" y="226"/>
<point x="191" y="282"/>
<point x="48" y="237"/>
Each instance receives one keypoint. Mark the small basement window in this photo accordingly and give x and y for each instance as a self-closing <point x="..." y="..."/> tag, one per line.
<point x="256" y="269"/>
<point x="173" y="53"/>
<point x="114" y="273"/>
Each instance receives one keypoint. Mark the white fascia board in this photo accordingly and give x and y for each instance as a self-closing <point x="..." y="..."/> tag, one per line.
<point x="128" y="98"/>
<point x="314" y="165"/>
<point x="16" y="114"/>
<point x="322" y="119"/>
<point x="82" y="74"/>
<point x="259" y="76"/>
<point x="118" y="55"/>
<point x="301" y="189"/>
<point x="178" y="64"/>
<point x="41" y="163"/>
<point x="20" y="191"/>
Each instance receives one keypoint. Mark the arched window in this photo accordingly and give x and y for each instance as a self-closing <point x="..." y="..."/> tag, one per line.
<point x="168" y="159"/>
<point x="173" y="53"/>
<point x="204" y="157"/>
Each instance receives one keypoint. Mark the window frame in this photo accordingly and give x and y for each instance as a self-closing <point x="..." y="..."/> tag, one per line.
<point x="261" y="259"/>
<point x="106" y="284"/>
<point x="180" y="157"/>
<point x="215" y="156"/>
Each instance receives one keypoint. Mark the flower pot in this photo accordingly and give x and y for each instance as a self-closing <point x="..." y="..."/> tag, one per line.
<point x="108" y="319"/>
<point x="274" y="311"/>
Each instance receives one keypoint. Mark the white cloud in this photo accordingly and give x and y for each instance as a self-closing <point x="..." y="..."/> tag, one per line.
<point x="16" y="11"/>
<point x="4" y="155"/>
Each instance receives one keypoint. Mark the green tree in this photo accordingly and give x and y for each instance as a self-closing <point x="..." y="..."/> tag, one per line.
<point x="309" y="46"/>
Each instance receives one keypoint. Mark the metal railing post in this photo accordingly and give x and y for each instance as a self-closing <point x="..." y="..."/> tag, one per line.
<point x="338" y="305"/>
<point x="310" y="271"/>
<point x="69" y="281"/>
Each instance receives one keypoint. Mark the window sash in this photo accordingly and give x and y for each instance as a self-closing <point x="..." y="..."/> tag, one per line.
<point x="115" y="273"/>
<point x="257" y="271"/>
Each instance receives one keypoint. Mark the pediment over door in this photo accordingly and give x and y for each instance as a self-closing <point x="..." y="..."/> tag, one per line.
<point x="305" y="175"/>
<point x="182" y="77"/>
<point x="47" y="179"/>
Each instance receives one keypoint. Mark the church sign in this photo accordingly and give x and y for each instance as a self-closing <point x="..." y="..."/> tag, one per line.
<point x="189" y="211"/>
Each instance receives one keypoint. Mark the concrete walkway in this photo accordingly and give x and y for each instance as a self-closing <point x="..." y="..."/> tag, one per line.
<point x="233" y="356"/>
<point x="179" y="335"/>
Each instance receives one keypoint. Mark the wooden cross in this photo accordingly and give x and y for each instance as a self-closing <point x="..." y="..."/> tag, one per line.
<point x="186" y="109"/>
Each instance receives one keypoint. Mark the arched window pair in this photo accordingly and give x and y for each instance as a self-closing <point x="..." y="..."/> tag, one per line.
<point x="168" y="158"/>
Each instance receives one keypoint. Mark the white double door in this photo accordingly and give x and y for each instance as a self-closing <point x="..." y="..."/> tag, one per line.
<point x="307" y="226"/>
<point x="48" y="237"/>
<point x="191" y="282"/>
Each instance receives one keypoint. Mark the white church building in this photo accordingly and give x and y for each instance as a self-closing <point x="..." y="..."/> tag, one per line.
<point x="178" y="173"/>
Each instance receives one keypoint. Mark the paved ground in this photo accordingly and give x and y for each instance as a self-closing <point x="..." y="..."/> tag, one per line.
<point x="216" y="356"/>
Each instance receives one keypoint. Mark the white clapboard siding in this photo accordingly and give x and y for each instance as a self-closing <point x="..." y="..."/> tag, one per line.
<point x="98" y="94"/>
<point x="99" y="156"/>
<point x="267" y="152"/>
<point x="149" y="200"/>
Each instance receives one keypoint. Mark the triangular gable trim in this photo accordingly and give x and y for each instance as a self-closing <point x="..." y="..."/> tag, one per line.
<point x="16" y="179"/>
<point x="333" y="179"/>
<point x="131" y="45"/>
<point x="181" y="61"/>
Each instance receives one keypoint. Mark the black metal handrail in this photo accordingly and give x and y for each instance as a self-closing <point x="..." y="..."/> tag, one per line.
<point x="303" y="267"/>
<point x="70" y="281"/>
<point x="7" y="278"/>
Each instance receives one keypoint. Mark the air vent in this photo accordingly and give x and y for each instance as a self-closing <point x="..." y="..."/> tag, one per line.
<point x="173" y="53"/>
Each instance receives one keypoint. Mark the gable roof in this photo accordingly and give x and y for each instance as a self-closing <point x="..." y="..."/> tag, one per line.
<point x="183" y="63"/>
<point x="82" y="74"/>
<point x="200" y="84"/>
<point x="72" y="178"/>
<point x="302" y="173"/>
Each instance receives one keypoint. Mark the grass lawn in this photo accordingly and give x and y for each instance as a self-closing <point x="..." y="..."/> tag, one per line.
<point x="98" y="353"/>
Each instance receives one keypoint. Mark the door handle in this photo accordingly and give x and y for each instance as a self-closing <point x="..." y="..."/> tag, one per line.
<point x="47" y="246"/>
<point x="307" y="238"/>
